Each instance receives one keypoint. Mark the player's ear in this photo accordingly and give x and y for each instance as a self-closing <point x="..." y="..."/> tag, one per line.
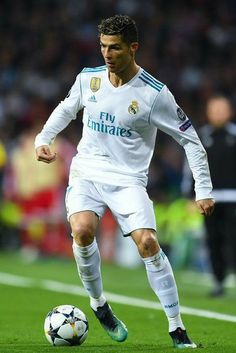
<point x="134" y="47"/>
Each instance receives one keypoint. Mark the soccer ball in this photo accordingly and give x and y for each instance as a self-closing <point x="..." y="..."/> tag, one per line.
<point x="66" y="325"/>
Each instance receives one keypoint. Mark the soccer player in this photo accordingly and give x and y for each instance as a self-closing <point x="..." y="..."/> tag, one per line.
<point x="123" y="106"/>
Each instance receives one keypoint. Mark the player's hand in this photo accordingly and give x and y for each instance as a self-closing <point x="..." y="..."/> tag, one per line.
<point x="206" y="206"/>
<point x="44" y="154"/>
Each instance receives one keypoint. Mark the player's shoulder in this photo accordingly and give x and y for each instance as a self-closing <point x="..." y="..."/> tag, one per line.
<point x="151" y="82"/>
<point x="93" y="70"/>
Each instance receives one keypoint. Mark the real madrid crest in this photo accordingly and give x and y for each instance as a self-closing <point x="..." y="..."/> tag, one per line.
<point x="95" y="84"/>
<point x="133" y="108"/>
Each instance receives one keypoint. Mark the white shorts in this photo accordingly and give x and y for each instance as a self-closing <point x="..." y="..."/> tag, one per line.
<point x="130" y="205"/>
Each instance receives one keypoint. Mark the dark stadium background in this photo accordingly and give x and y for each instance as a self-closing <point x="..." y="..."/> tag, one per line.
<point x="189" y="45"/>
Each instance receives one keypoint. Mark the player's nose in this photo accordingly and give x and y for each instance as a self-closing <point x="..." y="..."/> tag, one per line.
<point x="107" y="53"/>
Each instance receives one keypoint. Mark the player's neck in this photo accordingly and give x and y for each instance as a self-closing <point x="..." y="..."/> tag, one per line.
<point x="121" y="78"/>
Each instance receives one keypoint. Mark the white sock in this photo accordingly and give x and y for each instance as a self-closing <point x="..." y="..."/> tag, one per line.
<point x="96" y="302"/>
<point x="88" y="263"/>
<point x="162" y="281"/>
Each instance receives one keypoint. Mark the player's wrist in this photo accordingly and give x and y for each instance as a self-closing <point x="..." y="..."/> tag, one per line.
<point x="203" y="193"/>
<point x="39" y="142"/>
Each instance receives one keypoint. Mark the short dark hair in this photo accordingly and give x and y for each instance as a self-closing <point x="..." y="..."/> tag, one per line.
<point x="122" y="25"/>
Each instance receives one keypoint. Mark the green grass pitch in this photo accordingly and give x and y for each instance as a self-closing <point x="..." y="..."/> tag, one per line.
<point x="23" y="310"/>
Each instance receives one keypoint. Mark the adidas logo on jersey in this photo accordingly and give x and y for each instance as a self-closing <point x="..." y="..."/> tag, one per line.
<point x="92" y="99"/>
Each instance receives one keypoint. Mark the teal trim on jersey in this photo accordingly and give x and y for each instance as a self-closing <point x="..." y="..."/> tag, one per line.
<point x="145" y="73"/>
<point x="150" y="83"/>
<point x="152" y="80"/>
<point x="94" y="69"/>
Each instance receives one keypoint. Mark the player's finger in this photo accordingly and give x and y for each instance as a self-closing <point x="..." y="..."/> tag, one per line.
<point x="40" y="159"/>
<point x="44" y="152"/>
<point x="208" y="210"/>
<point x="200" y="208"/>
<point x="46" y="158"/>
<point x="211" y="209"/>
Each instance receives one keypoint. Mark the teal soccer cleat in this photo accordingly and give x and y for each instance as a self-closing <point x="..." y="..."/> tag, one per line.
<point x="115" y="328"/>
<point x="180" y="339"/>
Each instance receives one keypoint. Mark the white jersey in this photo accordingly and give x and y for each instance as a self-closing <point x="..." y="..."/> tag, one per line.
<point x="120" y="126"/>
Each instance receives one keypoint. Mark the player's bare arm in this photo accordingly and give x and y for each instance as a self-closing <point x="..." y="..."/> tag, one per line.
<point x="44" y="154"/>
<point x="206" y="206"/>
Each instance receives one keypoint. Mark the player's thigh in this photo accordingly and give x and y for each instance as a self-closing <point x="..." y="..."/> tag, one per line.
<point x="143" y="235"/>
<point x="146" y="241"/>
<point x="84" y="223"/>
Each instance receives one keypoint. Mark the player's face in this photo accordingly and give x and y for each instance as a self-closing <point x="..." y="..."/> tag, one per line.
<point x="117" y="54"/>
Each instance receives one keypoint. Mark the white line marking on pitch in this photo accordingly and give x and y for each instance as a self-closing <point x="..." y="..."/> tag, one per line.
<point x="19" y="281"/>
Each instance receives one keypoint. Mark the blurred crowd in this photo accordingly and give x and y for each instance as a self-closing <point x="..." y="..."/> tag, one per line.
<point x="189" y="45"/>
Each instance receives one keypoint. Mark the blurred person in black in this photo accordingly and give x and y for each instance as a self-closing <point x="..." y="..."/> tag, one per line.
<point x="219" y="139"/>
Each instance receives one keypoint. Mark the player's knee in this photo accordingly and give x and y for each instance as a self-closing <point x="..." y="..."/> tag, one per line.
<point x="148" y="245"/>
<point x="83" y="234"/>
